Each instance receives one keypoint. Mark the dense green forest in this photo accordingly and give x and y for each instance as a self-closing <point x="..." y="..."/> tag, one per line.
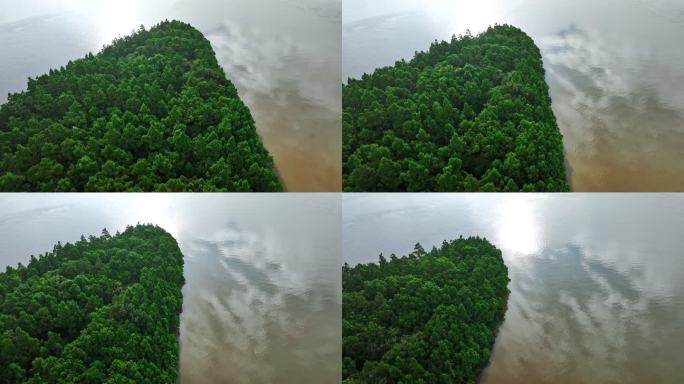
<point x="153" y="111"/>
<point x="428" y="317"/>
<point x="471" y="114"/>
<point x="101" y="310"/>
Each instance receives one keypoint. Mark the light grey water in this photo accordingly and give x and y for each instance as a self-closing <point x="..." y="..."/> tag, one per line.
<point x="614" y="67"/>
<point x="262" y="299"/>
<point x="597" y="280"/>
<point x="282" y="55"/>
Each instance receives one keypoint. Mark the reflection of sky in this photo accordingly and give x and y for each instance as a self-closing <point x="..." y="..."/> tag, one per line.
<point x="614" y="71"/>
<point x="597" y="281"/>
<point x="283" y="56"/>
<point x="262" y="294"/>
<point x="573" y="319"/>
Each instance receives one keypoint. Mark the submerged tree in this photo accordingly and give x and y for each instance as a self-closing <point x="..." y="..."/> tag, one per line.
<point x="429" y="317"/>
<point x="152" y="112"/>
<point x="471" y="114"/>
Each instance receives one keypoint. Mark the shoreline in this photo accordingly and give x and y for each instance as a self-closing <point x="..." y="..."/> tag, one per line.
<point x="481" y="376"/>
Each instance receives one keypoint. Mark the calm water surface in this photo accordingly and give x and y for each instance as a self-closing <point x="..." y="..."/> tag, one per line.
<point x="614" y="69"/>
<point x="262" y="300"/>
<point x="597" y="281"/>
<point x="282" y="55"/>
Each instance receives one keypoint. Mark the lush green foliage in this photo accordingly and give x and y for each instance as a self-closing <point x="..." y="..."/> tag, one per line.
<point x="472" y="114"/>
<point x="152" y="111"/>
<point x="423" y="318"/>
<point x="102" y="310"/>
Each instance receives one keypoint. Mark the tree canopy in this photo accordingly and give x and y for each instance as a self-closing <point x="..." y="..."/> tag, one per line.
<point x="428" y="317"/>
<point x="153" y="111"/>
<point x="470" y="114"/>
<point x="102" y="310"/>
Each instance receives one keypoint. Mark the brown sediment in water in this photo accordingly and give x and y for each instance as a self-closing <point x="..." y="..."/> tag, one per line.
<point x="304" y="140"/>
<point x="481" y="377"/>
<point x="279" y="176"/>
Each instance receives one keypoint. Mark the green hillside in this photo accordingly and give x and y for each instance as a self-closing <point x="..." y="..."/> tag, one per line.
<point x="428" y="317"/>
<point x="470" y="114"/>
<point x="102" y="310"/>
<point x="152" y="112"/>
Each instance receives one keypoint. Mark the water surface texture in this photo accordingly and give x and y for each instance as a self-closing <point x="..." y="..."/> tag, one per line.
<point x="614" y="69"/>
<point x="597" y="280"/>
<point x="262" y="301"/>
<point x="282" y="55"/>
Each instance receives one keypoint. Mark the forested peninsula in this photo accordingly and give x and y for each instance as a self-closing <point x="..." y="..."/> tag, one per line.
<point x="153" y="111"/>
<point x="470" y="114"/>
<point x="102" y="310"/>
<point x="428" y="317"/>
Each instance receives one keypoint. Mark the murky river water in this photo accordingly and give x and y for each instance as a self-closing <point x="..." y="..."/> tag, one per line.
<point x="597" y="281"/>
<point x="614" y="69"/>
<point x="262" y="299"/>
<point x="282" y="55"/>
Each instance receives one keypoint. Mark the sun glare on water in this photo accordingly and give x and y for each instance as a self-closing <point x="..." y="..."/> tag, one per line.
<point x="473" y="15"/>
<point x="154" y="208"/>
<point x="518" y="228"/>
<point x="117" y="18"/>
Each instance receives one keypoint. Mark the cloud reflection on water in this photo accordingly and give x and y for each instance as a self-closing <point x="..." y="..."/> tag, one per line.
<point x="248" y="318"/>
<point x="604" y="93"/>
<point x="597" y="280"/>
<point x="262" y="300"/>
<point x="575" y="319"/>
<point x="291" y="83"/>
